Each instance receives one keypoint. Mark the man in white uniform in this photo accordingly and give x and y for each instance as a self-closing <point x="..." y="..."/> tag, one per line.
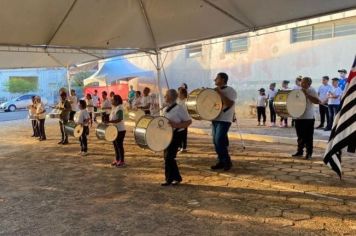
<point x="96" y="100"/>
<point x="179" y="119"/>
<point x="222" y="123"/>
<point x="73" y="100"/>
<point x="304" y="125"/>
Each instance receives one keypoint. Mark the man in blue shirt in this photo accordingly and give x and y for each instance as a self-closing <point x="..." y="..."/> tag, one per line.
<point x="323" y="91"/>
<point x="343" y="79"/>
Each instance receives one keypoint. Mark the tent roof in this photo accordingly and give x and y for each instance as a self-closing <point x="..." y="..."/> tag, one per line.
<point x="118" y="69"/>
<point x="142" y="24"/>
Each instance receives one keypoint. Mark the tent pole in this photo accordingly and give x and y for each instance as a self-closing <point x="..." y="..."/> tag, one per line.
<point x="68" y="80"/>
<point x="158" y="68"/>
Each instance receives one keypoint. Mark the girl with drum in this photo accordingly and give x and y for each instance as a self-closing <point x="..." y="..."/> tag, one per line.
<point x="182" y="98"/>
<point x="41" y="117"/>
<point x="117" y="118"/>
<point x="179" y="119"/>
<point x="82" y="118"/>
<point x="90" y="107"/>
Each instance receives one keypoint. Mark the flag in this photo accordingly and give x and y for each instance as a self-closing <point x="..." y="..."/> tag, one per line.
<point x="343" y="133"/>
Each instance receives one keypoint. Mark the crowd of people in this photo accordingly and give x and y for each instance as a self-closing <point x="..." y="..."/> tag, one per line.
<point x="328" y="94"/>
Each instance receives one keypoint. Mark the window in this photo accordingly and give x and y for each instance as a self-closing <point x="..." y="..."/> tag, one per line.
<point x="193" y="50"/>
<point x="237" y="44"/>
<point x="324" y="30"/>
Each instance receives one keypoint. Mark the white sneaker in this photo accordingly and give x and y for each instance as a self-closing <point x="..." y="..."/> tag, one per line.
<point x="84" y="153"/>
<point x="80" y="153"/>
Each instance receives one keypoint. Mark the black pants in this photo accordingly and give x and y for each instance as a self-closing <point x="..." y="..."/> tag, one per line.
<point x="41" y="128"/>
<point x="170" y="154"/>
<point x="71" y="115"/>
<point x="35" y="128"/>
<point x="91" y="117"/>
<point x="285" y="120"/>
<point x="324" y="112"/>
<point x="105" y="117"/>
<point x="147" y="112"/>
<point x="261" y="111"/>
<point x="83" y="139"/>
<point x="184" y="139"/>
<point x="119" y="146"/>
<point x="272" y="111"/>
<point x="63" y="132"/>
<point x="95" y="110"/>
<point x="305" y="132"/>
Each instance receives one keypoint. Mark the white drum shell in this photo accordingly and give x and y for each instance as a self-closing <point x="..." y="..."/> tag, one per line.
<point x="106" y="132"/>
<point x="73" y="129"/>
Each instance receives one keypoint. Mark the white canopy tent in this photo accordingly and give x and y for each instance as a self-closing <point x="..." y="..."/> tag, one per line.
<point x="145" y="25"/>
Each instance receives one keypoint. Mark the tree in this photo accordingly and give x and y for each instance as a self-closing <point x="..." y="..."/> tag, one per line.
<point x="23" y="84"/>
<point x="77" y="79"/>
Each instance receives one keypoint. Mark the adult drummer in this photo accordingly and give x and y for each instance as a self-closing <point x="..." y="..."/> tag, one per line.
<point x="179" y="119"/>
<point x="222" y="123"/>
<point x="65" y="107"/>
<point x="105" y="107"/>
<point x="304" y="125"/>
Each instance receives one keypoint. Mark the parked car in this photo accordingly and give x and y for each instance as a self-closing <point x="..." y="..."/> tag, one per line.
<point x="19" y="103"/>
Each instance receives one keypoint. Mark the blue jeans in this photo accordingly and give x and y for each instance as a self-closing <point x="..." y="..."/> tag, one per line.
<point x="221" y="141"/>
<point x="333" y="110"/>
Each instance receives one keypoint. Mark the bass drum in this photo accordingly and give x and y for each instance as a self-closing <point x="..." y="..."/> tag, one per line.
<point x="54" y="114"/>
<point x="204" y="104"/>
<point x="290" y="103"/>
<point x="136" y="115"/>
<point x="154" y="133"/>
<point x="72" y="129"/>
<point x="106" y="132"/>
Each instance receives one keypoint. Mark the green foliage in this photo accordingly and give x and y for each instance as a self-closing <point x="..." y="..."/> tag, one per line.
<point x="77" y="79"/>
<point x="21" y="84"/>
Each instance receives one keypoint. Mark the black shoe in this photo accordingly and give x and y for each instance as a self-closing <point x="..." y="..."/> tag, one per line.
<point x="219" y="165"/>
<point x="227" y="166"/>
<point x="308" y="156"/>
<point x="33" y="135"/>
<point x="320" y="127"/>
<point x="297" y="154"/>
<point x="65" y="142"/>
<point x="60" y="142"/>
<point x="327" y="129"/>
<point x="165" y="184"/>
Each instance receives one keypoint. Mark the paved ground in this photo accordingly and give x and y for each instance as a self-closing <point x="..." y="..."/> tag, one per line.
<point x="17" y="115"/>
<point x="48" y="189"/>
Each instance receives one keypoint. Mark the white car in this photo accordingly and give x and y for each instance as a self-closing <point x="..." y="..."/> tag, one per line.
<point x="19" y="103"/>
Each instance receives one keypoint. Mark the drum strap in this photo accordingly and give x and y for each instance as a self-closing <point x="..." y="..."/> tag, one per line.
<point x="171" y="107"/>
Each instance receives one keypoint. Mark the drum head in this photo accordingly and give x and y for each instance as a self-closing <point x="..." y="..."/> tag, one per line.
<point x="111" y="133"/>
<point x="159" y="134"/>
<point x="296" y="103"/>
<point x="78" y="131"/>
<point x="209" y="104"/>
<point x="136" y="115"/>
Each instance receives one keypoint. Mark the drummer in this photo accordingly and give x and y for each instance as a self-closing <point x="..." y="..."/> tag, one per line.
<point x="105" y="106"/>
<point x="65" y="108"/>
<point x="41" y="117"/>
<point x="90" y="107"/>
<point x="137" y="100"/>
<point x="284" y="120"/>
<point x="304" y="125"/>
<point x="73" y="100"/>
<point x="82" y="118"/>
<point x="146" y="101"/>
<point x="222" y="123"/>
<point x="179" y="119"/>
<point x="117" y="117"/>
<point x="32" y="111"/>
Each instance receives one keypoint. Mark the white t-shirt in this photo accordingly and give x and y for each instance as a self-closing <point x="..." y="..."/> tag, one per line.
<point x="296" y="87"/>
<point x="39" y="109"/>
<point x="80" y="117"/>
<point x="309" y="111"/>
<point x="271" y="94"/>
<point x="336" y="92"/>
<point x="106" y="103"/>
<point x="228" y="115"/>
<point x="177" y="114"/>
<point x="136" y="102"/>
<point x="182" y="102"/>
<point x="90" y="105"/>
<point x="261" y="101"/>
<point x="95" y="99"/>
<point x="323" y="92"/>
<point x="74" y="102"/>
<point x="114" y="115"/>
<point x="145" y="101"/>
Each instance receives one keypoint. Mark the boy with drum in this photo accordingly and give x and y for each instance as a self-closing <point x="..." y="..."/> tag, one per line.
<point x="179" y="119"/>
<point x="82" y="118"/>
<point x="222" y="123"/>
<point x="304" y="125"/>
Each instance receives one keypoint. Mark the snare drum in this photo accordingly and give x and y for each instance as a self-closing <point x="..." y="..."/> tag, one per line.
<point x="290" y="103"/>
<point x="32" y="114"/>
<point x="106" y="132"/>
<point x="55" y="114"/>
<point x="154" y="133"/>
<point x="204" y="104"/>
<point x="136" y="115"/>
<point x="73" y="129"/>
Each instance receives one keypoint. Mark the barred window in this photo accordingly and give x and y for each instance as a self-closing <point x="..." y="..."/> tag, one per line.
<point x="237" y="44"/>
<point x="345" y="27"/>
<point x="302" y="34"/>
<point x="194" y="50"/>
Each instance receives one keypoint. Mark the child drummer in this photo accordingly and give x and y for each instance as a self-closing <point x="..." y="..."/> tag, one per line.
<point x="179" y="119"/>
<point x="82" y="118"/>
